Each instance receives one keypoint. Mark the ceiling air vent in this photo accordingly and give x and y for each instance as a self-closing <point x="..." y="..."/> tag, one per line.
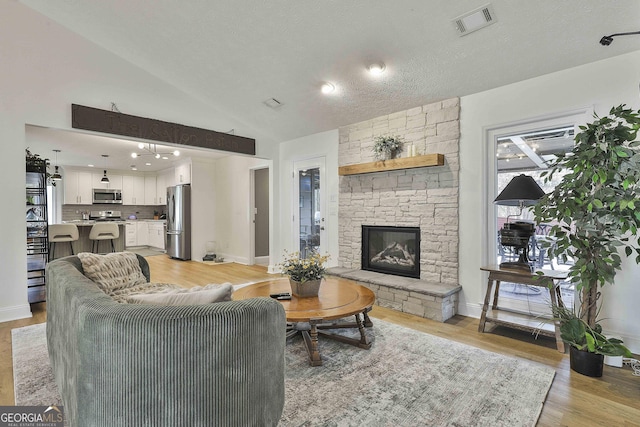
<point x="474" y="20"/>
<point x="273" y="103"/>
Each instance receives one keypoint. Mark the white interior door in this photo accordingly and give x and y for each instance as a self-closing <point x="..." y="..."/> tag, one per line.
<point x="309" y="206"/>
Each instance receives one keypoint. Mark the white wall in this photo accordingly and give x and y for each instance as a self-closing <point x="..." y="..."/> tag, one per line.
<point x="600" y="85"/>
<point x="45" y="68"/>
<point x="233" y="206"/>
<point x="203" y="203"/>
<point x="324" y="144"/>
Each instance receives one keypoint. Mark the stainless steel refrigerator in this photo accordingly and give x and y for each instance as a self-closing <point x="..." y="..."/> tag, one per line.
<point x="178" y="242"/>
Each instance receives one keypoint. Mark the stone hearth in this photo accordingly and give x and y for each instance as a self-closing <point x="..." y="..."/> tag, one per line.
<point x="434" y="301"/>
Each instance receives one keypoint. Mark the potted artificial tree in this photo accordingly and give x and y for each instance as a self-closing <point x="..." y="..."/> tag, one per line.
<point x="595" y="209"/>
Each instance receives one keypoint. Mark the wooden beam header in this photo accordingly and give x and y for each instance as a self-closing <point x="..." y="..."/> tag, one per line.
<point x="116" y="123"/>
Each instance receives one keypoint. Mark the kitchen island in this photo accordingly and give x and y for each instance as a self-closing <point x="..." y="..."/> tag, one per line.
<point x="83" y="244"/>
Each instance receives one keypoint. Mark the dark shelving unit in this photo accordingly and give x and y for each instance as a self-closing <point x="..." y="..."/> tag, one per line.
<point x="37" y="231"/>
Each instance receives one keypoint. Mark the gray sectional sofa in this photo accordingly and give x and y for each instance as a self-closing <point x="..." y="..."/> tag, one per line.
<point x="121" y="364"/>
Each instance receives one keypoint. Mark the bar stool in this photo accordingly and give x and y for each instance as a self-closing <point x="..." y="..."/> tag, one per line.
<point x="103" y="231"/>
<point x="60" y="233"/>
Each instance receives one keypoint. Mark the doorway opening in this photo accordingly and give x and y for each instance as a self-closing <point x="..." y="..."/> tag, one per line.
<point x="309" y="217"/>
<point x="260" y="213"/>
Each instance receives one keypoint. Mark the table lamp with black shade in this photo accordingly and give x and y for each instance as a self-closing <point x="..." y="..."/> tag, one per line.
<point x="522" y="191"/>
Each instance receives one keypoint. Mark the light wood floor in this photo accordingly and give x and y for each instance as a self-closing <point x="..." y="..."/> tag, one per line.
<point x="574" y="400"/>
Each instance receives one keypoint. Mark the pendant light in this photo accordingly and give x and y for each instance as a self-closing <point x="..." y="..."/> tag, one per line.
<point x="56" y="174"/>
<point x="105" y="179"/>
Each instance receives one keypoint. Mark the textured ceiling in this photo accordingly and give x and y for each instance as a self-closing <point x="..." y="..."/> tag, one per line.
<point x="237" y="54"/>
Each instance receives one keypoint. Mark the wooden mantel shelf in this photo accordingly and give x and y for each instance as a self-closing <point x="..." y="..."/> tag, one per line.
<point x="393" y="164"/>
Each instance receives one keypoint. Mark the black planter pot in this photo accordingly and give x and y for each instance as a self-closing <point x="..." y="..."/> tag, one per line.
<point x="586" y="363"/>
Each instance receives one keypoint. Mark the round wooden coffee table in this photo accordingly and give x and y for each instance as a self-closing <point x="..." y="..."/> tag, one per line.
<point x="337" y="298"/>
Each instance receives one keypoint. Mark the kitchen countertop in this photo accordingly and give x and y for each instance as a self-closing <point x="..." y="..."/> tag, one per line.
<point x="84" y="223"/>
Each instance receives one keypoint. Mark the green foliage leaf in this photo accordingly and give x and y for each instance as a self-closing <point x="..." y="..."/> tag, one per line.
<point x="595" y="202"/>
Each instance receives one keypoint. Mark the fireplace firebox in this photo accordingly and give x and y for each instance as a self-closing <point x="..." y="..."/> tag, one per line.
<point x="391" y="250"/>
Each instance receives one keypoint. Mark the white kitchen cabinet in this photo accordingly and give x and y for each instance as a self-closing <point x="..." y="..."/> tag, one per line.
<point x="150" y="196"/>
<point x="133" y="190"/>
<point x="115" y="181"/>
<point x="161" y="190"/>
<point x="131" y="234"/>
<point x="142" y="233"/>
<point x="169" y="177"/>
<point x="156" y="235"/>
<point x="78" y="188"/>
<point x="165" y="179"/>
<point x="183" y="174"/>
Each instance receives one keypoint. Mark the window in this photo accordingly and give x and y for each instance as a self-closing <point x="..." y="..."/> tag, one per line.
<point x="529" y="149"/>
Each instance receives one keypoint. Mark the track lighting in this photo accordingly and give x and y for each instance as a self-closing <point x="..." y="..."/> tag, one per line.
<point x="152" y="150"/>
<point x="607" y="40"/>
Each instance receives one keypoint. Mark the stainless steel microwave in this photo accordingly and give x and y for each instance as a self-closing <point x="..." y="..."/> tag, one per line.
<point x="107" y="195"/>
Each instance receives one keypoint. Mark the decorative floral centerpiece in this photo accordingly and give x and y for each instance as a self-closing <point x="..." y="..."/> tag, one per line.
<point x="305" y="274"/>
<point x="386" y="147"/>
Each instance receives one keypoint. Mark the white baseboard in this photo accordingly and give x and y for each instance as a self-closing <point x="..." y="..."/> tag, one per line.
<point x="239" y="260"/>
<point x="261" y="260"/>
<point x="470" y="310"/>
<point x="14" y="313"/>
<point x="274" y="269"/>
<point x="631" y="342"/>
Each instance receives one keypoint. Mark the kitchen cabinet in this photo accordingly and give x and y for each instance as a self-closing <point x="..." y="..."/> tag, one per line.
<point x="133" y="190"/>
<point x="142" y="233"/>
<point x="78" y="188"/>
<point x="161" y="190"/>
<point x="115" y="181"/>
<point x="164" y="179"/>
<point x="156" y="235"/>
<point x="183" y="174"/>
<point x="130" y="234"/>
<point x="169" y="177"/>
<point x="150" y="196"/>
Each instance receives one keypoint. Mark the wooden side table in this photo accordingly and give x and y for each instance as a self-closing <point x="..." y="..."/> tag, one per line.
<point x="520" y="321"/>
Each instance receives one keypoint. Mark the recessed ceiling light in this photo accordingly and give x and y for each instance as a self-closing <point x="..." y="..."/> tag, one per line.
<point x="327" y="88"/>
<point x="140" y="145"/>
<point x="148" y="164"/>
<point x="165" y="158"/>
<point x="90" y="166"/>
<point x="377" y="69"/>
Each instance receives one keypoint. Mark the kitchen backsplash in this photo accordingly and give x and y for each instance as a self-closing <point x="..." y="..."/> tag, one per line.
<point x="71" y="212"/>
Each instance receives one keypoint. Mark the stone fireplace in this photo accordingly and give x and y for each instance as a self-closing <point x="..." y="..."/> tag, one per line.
<point x="391" y="250"/>
<point x="424" y="197"/>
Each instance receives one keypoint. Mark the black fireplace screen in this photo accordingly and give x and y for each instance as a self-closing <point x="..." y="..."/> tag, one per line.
<point x="391" y="250"/>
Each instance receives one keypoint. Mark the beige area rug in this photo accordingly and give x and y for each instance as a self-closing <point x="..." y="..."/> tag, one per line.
<point x="407" y="378"/>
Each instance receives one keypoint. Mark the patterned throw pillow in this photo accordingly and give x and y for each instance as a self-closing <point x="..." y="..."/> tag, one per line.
<point x="114" y="271"/>
<point x="194" y="296"/>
